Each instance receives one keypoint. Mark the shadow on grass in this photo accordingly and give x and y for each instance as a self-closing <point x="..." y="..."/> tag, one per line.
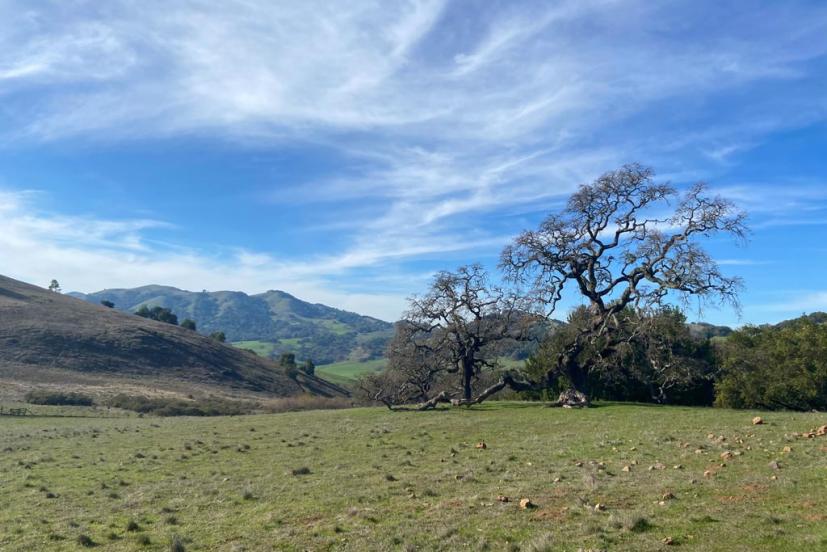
<point x="492" y="406"/>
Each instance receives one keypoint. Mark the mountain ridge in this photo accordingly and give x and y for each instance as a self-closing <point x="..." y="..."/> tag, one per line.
<point x="278" y="319"/>
<point x="51" y="338"/>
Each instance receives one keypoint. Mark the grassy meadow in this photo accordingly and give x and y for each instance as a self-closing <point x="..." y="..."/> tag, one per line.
<point x="348" y="371"/>
<point x="614" y="477"/>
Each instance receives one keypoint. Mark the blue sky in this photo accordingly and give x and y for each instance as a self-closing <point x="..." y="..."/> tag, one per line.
<point x="343" y="152"/>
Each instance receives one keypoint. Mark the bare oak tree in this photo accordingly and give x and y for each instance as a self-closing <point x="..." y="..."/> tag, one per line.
<point x="622" y="242"/>
<point x="462" y="321"/>
<point x="413" y="375"/>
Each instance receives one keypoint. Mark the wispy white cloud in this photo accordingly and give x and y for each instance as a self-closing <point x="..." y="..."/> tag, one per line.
<point x="88" y="254"/>
<point x="443" y="113"/>
<point x="797" y="303"/>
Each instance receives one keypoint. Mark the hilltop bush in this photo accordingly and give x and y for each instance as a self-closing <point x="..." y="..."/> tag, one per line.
<point x="775" y="367"/>
<point x="160" y="314"/>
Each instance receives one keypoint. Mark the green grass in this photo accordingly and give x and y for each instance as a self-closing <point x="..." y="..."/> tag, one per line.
<point x="261" y="348"/>
<point x="290" y="341"/>
<point x="348" y="371"/>
<point x="336" y="327"/>
<point x="369" y="479"/>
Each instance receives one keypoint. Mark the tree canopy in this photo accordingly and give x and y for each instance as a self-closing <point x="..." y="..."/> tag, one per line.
<point x="160" y="314"/>
<point x="624" y="241"/>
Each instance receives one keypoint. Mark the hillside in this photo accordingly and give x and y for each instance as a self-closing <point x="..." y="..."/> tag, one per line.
<point x="270" y="323"/>
<point x="50" y="339"/>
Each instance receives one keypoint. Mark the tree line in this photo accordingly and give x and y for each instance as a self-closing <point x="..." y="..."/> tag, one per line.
<point x="630" y="251"/>
<point x="163" y="314"/>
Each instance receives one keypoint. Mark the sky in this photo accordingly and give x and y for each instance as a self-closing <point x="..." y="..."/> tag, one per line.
<point x="345" y="151"/>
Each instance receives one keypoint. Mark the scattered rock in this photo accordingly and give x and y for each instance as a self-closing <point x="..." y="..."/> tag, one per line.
<point x="677" y="467"/>
<point x="501" y="498"/>
<point x="599" y="507"/>
<point x="668" y="541"/>
<point x="481" y="445"/>
<point x="626" y="468"/>
<point x="667" y="496"/>
<point x="787" y="449"/>
<point x="758" y="420"/>
<point x="709" y="473"/>
<point x="821" y="431"/>
<point x="774" y="465"/>
<point x="726" y="455"/>
<point x="526" y="504"/>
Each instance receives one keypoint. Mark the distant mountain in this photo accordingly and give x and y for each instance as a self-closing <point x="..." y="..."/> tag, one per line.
<point x="54" y="340"/>
<point x="269" y="323"/>
<point x="705" y="330"/>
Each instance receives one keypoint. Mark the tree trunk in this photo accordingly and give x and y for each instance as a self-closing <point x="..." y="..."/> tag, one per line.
<point x="467" y="377"/>
<point x="569" y="366"/>
<point x="506" y="380"/>
<point x="440" y="398"/>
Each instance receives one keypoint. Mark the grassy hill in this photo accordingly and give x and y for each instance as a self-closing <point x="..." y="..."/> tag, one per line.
<point x="369" y="479"/>
<point x="273" y="322"/>
<point x="54" y="341"/>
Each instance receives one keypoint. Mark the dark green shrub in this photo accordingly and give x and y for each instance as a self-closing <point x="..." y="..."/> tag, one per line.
<point x="161" y="406"/>
<point x="160" y="314"/>
<point x="40" y="396"/>
<point x="780" y="367"/>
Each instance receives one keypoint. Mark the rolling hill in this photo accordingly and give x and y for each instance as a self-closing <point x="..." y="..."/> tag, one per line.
<point x="51" y="339"/>
<point x="269" y="323"/>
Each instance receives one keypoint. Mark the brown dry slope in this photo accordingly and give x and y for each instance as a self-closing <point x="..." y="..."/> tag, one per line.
<point x="51" y="339"/>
